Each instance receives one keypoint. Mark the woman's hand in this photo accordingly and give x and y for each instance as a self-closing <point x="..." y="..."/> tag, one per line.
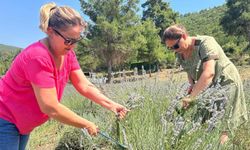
<point x="223" y="138"/>
<point x="120" y="110"/>
<point x="92" y="129"/>
<point x="87" y="89"/>
<point x="186" y="102"/>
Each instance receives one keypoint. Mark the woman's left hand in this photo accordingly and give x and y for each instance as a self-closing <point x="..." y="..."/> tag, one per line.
<point x="120" y="110"/>
<point x="223" y="138"/>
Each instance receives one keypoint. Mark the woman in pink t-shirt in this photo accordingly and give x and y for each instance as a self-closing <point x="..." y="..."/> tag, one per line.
<point x="31" y="90"/>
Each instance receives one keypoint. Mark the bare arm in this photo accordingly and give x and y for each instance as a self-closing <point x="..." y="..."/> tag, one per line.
<point x="205" y="78"/>
<point x="88" y="90"/>
<point x="191" y="82"/>
<point x="48" y="103"/>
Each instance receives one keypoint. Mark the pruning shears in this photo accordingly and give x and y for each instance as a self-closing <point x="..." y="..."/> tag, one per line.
<point x="106" y="136"/>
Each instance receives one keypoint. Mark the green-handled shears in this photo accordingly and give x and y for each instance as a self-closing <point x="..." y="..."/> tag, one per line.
<point x="106" y="136"/>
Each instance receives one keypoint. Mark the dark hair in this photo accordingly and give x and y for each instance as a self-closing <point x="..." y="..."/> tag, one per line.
<point x="174" y="32"/>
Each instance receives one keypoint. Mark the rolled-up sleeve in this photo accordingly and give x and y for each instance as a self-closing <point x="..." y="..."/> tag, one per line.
<point x="208" y="50"/>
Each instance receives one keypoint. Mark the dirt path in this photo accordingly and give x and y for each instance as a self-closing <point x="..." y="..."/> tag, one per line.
<point x="244" y="72"/>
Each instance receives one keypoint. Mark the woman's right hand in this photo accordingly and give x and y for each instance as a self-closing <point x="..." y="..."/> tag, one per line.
<point x="92" y="129"/>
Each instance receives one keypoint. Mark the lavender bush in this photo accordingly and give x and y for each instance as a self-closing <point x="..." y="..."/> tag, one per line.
<point x="152" y="123"/>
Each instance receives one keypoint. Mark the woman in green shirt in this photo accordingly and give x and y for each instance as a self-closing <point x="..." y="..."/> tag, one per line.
<point x="205" y="62"/>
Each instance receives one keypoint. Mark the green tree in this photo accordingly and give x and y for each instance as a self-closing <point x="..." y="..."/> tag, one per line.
<point x="151" y="51"/>
<point x="237" y="18"/>
<point x="207" y="22"/>
<point x="160" y="12"/>
<point x="114" y="34"/>
<point x="6" y="58"/>
<point x="87" y="57"/>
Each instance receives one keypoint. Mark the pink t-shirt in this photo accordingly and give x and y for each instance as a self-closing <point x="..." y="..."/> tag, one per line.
<point x="34" y="64"/>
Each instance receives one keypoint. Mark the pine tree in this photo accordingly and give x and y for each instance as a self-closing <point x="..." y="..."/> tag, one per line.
<point x="237" y="18"/>
<point x="114" y="34"/>
<point x="160" y="12"/>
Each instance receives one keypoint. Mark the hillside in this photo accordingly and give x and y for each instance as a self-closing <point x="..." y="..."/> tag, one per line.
<point x="207" y="22"/>
<point x="8" y="48"/>
<point x="7" y="53"/>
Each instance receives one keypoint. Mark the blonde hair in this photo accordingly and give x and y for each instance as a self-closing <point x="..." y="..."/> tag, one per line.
<point x="59" y="17"/>
<point x="174" y="32"/>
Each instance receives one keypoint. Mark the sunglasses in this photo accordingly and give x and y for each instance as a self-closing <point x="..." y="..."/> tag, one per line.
<point x="68" y="41"/>
<point x="176" y="45"/>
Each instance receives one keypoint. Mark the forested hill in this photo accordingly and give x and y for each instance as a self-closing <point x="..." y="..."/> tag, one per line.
<point x="7" y="53"/>
<point x="204" y="22"/>
<point x="8" y="48"/>
<point x="207" y="22"/>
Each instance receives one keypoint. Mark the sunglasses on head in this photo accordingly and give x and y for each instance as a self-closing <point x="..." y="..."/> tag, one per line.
<point x="68" y="41"/>
<point x="176" y="45"/>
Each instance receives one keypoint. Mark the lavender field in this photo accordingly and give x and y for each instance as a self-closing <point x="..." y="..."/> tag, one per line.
<point x="155" y="122"/>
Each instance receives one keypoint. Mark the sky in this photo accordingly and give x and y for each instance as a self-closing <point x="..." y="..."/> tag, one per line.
<point x="19" y="19"/>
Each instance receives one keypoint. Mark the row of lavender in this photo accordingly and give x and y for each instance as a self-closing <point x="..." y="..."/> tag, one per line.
<point x="156" y="120"/>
